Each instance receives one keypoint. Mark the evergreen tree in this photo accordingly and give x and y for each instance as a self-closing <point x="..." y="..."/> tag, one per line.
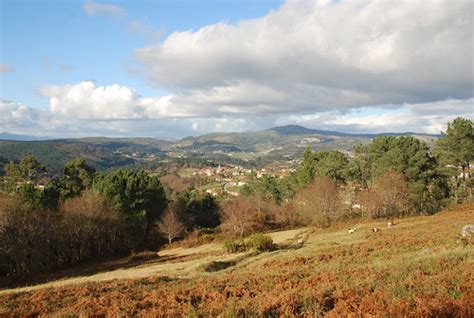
<point x="139" y="196"/>
<point x="455" y="150"/>
<point x="411" y="157"/>
<point x="77" y="176"/>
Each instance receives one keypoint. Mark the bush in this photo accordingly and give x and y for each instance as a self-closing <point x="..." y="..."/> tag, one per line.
<point x="206" y="238"/>
<point x="232" y="246"/>
<point x="216" y="266"/>
<point x="261" y="242"/>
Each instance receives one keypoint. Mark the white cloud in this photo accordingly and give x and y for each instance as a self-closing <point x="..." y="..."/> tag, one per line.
<point x="215" y="111"/>
<point x="423" y="117"/>
<point x="94" y="8"/>
<point x="71" y="121"/>
<point x="86" y="100"/>
<point x="311" y="56"/>
<point x="6" y="68"/>
<point x="19" y="118"/>
<point x="14" y="113"/>
<point x="354" y="66"/>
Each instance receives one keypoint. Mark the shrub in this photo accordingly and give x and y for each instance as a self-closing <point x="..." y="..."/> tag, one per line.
<point x="232" y="246"/>
<point x="216" y="266"/>
<point x="286" y="215"/>
<point x="261" y="242"/>
<point x="206" y="238"/>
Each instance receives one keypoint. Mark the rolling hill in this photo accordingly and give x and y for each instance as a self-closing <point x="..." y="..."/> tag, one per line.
<point x="279" y="143"/>
<point x="282" y="143"/>
<point x="104" y="153"/>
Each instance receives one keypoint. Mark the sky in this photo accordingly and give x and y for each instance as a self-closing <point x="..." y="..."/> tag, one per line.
<point x="167" y="68"/>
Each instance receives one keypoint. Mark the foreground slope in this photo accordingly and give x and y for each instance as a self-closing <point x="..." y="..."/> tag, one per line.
<point x="417" y="268"/>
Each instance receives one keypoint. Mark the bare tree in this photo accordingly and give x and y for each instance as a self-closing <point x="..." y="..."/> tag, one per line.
<point x="393" y="192"/>
<point x="389" y="197"/>
<point x="170" y="226"/>
<point x="239" y="215"/>
<point x="320" y="202"/>
<point x="285" y="214"/>
<point x="370" y="203"/>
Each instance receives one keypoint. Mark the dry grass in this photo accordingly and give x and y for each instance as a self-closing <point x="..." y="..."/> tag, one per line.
<point x="417" y="268"/>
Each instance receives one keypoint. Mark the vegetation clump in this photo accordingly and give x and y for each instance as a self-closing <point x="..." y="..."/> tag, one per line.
<point x="216" y="266"/>
<point x="233" y="246"/>
<point x="261" y="242"/>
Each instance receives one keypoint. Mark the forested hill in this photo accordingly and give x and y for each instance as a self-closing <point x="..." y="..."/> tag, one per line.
<point x="253" y="148"/>
<point x="103" y="153"/>
<point x="300" y="130"/>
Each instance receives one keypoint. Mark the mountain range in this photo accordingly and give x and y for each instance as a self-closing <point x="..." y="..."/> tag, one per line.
<point x="282" y="143"/>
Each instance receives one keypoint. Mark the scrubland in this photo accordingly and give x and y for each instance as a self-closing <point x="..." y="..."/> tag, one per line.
<point x="417" y="268"/>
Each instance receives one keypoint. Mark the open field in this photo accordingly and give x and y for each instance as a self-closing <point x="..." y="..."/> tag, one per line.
<point x="419" y="267"/>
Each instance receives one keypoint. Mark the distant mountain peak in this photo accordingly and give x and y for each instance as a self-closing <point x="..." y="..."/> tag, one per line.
<point x="300" y="130"/>
<point x="292" y="130"/>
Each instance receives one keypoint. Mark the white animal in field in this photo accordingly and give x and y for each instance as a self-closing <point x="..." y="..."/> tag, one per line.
<point x="389" y="224"/>
<point x="375" y="230"/>
<point x="467" y="231"/>
<point x="351" y="230"/>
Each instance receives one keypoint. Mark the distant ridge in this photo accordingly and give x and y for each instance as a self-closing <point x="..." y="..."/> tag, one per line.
<point x="300" y="130"/>
<point x="251" y="148"/>
<point x="286" y="130"/>
<point x="16" y="137"/>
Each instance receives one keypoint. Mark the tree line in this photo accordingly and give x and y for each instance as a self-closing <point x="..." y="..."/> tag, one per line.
<point x="48" y="222"/>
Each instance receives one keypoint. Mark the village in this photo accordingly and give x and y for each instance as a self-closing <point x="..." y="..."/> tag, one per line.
<point x="229" y="179"/>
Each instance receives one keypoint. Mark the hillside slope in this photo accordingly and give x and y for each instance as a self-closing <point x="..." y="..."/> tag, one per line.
<point x="103" y="153"/>
<point x="417" y="268"/>
<point x="261" y="147"/>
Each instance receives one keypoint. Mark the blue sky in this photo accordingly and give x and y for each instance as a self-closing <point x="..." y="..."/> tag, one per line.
<point x="178" y="68"/>
<point x="58" y="42"/>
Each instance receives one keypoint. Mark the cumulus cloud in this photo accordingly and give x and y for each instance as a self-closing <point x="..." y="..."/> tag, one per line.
<point x="353" y="66"/>
<point x="320" y="55"/>
<point x="14" y="113"/>
<point x="86" y="100"/>
<point x="6" y="68"/>
<point x="87" y="119"/>
<point x="19" y="118"/>
<point x="201" y="113"/>
<point x="95" y="8"/>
